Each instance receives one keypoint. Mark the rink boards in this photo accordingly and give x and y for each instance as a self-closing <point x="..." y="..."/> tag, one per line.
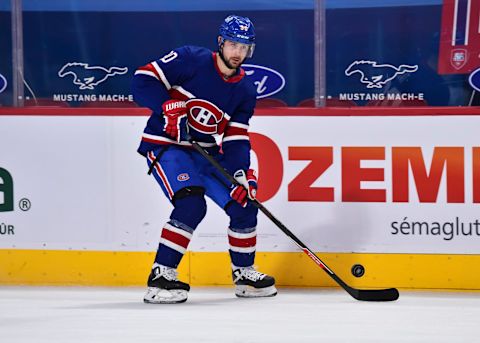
<point x="397" y="193"/>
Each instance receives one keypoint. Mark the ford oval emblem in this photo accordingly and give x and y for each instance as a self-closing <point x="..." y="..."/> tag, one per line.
<point x="267" y="81"/>
<point x="3" y="83"/>
<point x="474" y="80"/>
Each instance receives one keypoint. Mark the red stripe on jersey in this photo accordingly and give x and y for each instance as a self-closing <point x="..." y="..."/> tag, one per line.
<point x="175" y="94"/>
<point x="222" y="125"/>
<point x="175" y="238"/>
<point x="151" y="68"/>
<point x="242" y="243"/>
<point x="234" y="131"/>
<point x="155" y="141"/>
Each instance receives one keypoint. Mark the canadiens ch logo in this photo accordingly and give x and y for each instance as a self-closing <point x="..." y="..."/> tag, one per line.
<point x="377" y="75"/>
<point x="183" y="177"/>
<point x="459" y="58"/>
<point x="205" y="117"/>
<point x="87" y="77"/>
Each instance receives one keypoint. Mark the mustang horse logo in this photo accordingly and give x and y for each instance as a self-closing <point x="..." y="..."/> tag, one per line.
<point x="86" y="77"/>
<point x="377" y="75"/>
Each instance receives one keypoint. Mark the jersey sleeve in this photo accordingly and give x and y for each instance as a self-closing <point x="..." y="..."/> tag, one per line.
<point x="236" y="141"/>
<point x="154" y="82"/>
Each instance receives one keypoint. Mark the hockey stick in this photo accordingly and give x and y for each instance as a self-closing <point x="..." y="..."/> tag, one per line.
<point x="389" y="294"/>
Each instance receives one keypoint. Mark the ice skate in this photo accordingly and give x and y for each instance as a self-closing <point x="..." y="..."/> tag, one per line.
<point x="250" y="283"/>
<point x="164" y="287"/>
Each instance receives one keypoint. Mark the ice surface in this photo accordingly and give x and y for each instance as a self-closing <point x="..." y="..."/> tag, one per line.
<point x="73" y="314"/>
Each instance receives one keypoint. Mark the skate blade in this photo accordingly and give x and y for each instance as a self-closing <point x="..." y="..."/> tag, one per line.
<point x="164" y="296"/>
<point x="243" y="291"/>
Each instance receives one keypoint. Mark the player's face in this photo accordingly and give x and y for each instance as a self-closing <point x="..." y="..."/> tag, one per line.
<point x="234" y="53"/>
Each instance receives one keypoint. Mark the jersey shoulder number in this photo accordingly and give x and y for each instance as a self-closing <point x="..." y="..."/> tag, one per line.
<point x="169" y="57"/>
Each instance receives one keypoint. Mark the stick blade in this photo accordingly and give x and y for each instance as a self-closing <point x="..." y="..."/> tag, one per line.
<point x="390" y="294"/>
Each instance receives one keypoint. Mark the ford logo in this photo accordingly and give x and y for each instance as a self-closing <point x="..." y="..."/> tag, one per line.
<point x="3" y="83"/>
<point x="267" y="81"/>
<point x="474" y="80"/>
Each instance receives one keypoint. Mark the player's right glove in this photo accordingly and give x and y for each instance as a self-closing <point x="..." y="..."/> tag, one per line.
<point x="247" y="188"/>
<point x="174" y="111"/>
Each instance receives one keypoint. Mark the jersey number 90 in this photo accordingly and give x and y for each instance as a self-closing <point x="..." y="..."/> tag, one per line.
<point x="169" y="57"/>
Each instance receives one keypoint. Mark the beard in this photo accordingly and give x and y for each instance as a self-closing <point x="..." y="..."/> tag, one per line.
<point x="228" y="62"/>
<point x="231" y="64"/>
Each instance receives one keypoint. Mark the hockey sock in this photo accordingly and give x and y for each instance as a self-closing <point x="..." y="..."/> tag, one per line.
<point x="173" y="243"/>
<point x="242" y="246"/>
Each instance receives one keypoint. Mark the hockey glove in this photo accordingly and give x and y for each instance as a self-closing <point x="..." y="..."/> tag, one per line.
<point x="247" y="188"/>
<point x="174" y="111"/>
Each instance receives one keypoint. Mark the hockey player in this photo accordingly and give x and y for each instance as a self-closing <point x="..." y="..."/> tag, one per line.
<point x="198" y="94"/>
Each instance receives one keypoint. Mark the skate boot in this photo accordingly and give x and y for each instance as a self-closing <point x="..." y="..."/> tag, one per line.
<point x="164" y="287"/>
<point x="251" y="284"/>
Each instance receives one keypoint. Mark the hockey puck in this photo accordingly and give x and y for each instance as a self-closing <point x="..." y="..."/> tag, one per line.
<point x="358" y="270"/>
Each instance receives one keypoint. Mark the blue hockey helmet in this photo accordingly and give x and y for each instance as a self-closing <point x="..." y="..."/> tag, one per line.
<point x="238" y="29"/>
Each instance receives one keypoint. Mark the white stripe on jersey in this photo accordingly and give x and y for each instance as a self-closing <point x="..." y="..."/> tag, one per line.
<point x="146" y="72"/>
<point x="162" y="75"/>
<point x="236" y="138"/>
<point x="239" y="125"/>
<point x="184" y="91"/>
<point x="168" y="140"/>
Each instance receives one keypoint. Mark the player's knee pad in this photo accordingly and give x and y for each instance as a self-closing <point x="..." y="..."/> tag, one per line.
<point x="190" y="206"/>
<point x="241" y="217"/>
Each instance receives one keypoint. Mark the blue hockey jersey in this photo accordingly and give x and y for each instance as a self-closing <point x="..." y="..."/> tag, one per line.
<point x="216" y="106"/>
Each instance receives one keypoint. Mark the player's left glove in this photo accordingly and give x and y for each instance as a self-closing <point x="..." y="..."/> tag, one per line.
<point x="174" y="111"/>
<point x="247" y="188"/>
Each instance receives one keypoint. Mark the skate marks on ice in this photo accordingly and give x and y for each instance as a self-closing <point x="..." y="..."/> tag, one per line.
<point x="58" y="314"/>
